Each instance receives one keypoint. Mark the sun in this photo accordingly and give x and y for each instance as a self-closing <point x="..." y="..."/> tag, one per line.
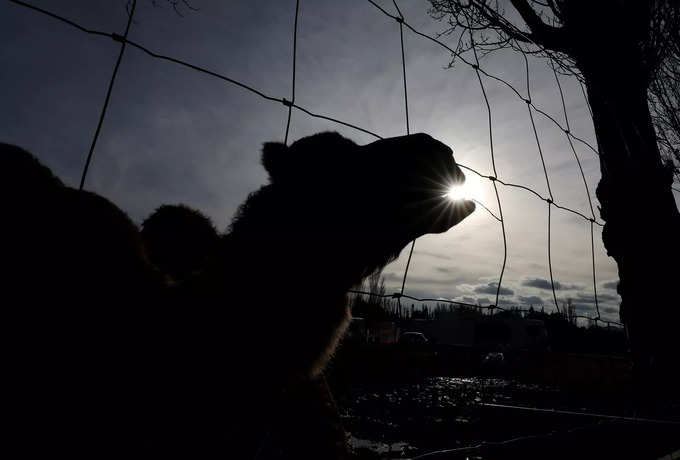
<point x="471" y="189"/>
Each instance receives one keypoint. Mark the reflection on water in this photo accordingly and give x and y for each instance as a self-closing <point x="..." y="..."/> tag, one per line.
<point x="400" y="420"/>
<point x="393" y="450"/>
<point x="448" y="392"/>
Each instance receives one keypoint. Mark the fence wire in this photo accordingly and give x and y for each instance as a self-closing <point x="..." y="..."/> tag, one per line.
<point x="479" y="72"/>
<point x="494" y="179"/>
<point x="492" y="446"/>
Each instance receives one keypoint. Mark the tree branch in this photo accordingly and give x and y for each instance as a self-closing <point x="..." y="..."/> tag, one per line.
<point x="543" y="34"/>
<point x="497" y="21"/>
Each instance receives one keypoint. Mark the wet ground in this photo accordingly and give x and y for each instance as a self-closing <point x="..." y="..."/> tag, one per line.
<point x="404" y="420"/>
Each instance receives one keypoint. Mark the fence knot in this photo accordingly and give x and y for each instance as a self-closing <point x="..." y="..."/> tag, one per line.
<point x="399" y="19"/>
<point x="397" y="295"/>
<point x="117" y="38"/>
<point x="286" y="102"/>
<point x="528" y="100"/>
<point x="492" y="178"/>
<point x="549" y="200"/>
<point x="566" y="131"/>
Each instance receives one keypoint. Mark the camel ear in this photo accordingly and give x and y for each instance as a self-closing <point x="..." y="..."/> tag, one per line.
<point x="274" y="159"/>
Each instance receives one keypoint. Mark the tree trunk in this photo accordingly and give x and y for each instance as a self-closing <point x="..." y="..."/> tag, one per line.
<point x="642" y="223"/>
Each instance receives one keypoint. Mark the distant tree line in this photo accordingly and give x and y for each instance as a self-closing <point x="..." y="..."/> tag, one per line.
<point x="564" y="332"/>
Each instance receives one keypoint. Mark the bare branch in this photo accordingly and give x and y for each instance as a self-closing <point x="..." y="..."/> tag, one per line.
<point x="542" y="33"/>
<point x="176" y="5"/>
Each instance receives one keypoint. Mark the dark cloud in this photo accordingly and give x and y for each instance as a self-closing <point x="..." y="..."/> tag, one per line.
<point x="541" y="283"/>
<point x="590" y="298"/>
<point x="609" y="298"/>
<point x="584" y="309"/>
<point x="483" y="301"/>
<point x="610" y="309"/>
<point x="610" y="285"/>
<point x="433" y="254"/>
<point x="531" y="300"/>
<point x="391" y="276"/>
<point x="436" y="297"/>
<point x="491" y="288"/>
<point x="432" y="281"/>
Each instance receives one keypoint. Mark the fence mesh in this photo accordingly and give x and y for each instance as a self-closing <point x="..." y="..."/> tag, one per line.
<point x="495" y="179"/>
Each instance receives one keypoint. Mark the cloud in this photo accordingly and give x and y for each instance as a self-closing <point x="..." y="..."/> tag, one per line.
<point x="433" y="254"/>
<point x="610" y="309"/>
<point x="610" y="284"/>
<point x="590" y="298"/>
<point x="584" y="309"/>
<point x="531" y="300"/>
<point x="446" y="270"/>
<point x="541" y="283"/>
<point x="483" y="301"/>
<point x="492" y="288"/>
<point x="390" y="276"/>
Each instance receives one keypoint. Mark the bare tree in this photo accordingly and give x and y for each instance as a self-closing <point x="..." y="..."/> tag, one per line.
<point x="570" y="311"/>
<point x="619" y="49"/>
<point x="664" y="103"/>
<point x="178" y="6"/>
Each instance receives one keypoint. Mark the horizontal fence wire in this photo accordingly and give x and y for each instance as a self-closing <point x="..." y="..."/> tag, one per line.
<point x="489" y="308"/>
<point x="479" y="71"/>
<point x="478" y="449"/>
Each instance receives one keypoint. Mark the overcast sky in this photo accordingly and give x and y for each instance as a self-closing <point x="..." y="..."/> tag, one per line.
<point x="173" y="135"/>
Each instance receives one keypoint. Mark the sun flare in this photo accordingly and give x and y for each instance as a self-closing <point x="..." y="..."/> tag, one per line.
<point x="471" y="189"/>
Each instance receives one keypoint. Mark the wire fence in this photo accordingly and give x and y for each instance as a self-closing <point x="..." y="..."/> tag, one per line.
<point x="481" y="75"/>
<point x="501" y="446"/>
<point x="494" y="178"/>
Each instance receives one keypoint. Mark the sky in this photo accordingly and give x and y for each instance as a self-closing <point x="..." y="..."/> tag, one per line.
<point x="173" y="135"/>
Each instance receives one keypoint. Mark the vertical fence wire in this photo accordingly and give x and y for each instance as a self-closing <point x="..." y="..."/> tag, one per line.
<point x="493" y="164"/>
<point x="552" y="279"/>
<point x="292" y="97"/>
<point x="533" y="126"/>
<point x="400" y="20"/>
<point x="547" y="181"/>
<point x="592" y="252"/>
<point x="123" y="42"/>
<point x="267" y="434"/>
<point x="585" y="97"/>
<point x="583" y="176"/>
<point x="571" y="144"/>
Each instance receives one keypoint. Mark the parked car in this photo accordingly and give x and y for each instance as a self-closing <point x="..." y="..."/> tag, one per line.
<point x="413" y="338"/>
<point x="494" y="363"/>
<point x="495" y="357"/>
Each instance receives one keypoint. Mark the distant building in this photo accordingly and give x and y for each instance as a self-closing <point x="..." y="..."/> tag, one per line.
<point x="483" y="331"/>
